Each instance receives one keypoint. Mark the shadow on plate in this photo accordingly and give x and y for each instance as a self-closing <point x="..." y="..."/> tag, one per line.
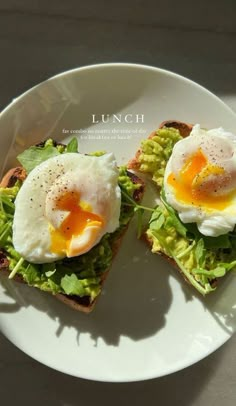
<point x="221" y="303"/>
<point x="134" y="302"/>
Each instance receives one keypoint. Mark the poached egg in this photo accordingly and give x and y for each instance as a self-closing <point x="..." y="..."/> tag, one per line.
<point x="65" y="206"/>
<point x="200" y="180"/>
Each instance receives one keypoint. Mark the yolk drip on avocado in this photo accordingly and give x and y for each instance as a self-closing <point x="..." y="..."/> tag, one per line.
<point x="79" y="218"/>
<point x="195" y="184"/>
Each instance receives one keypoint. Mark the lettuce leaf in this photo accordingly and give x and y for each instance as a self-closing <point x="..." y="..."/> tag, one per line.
<point x="200" y="252"/>
<point x="72" y="146"/>
<point x="173" y="219"/>
<point x="218" y="272"/>
<point x="80" y="287"/>
<point x="34" y="156"/>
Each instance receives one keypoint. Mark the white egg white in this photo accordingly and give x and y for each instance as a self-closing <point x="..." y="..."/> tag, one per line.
<point x="96" y="181"/>
<point x="219" y="147"/>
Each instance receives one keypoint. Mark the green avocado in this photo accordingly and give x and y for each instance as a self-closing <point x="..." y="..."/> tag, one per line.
<point x="156" y="152"/>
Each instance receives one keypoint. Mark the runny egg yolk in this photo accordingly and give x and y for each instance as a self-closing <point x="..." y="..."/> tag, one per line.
<point x="79" y="219"/>
<point x="198" y="183"/>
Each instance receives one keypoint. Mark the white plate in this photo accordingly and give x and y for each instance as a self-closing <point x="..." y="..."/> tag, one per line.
<point x="148" y="322"/>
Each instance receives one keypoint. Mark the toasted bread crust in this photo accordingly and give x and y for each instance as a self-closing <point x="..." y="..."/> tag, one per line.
<point x="12" y="176"/>
<point x="4" y="263"/>
<point x="184" y="129"/>
<point x="75" y="302"/>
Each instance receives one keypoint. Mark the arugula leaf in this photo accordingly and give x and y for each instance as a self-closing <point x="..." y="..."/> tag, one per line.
<point x="31" y="274"/>
<point x="16" y="268"/>
<point x="200" y="252"/>
<point x="218" y="272"/>
<point x="192" y="231"/>
<point x="140" y="213"/>
<point x="157" y="220"/>
<point x="228" y="266"/>
<point x="137" y="208"/>
<point x="173" y="219"/>
<point x="49" y="269"/>
<point x="72" y="146"/>
<point x="6" y="201"/>
<point x="5" y="233"/>
<point x="74" y="286"/>
<point x="222" y="241"/>
<point x="34" y="156"/>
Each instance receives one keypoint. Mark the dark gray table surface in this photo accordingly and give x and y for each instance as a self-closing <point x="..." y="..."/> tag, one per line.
<point x="41" y="38"/>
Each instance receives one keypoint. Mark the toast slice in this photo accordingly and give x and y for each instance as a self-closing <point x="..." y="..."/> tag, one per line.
<point x="84" y="303"/>
<point x="201" y="260"/>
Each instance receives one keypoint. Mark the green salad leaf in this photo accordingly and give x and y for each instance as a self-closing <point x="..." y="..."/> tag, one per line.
<point x="34" y="156"/>
<point x="222" y="241"/>
<point x="173" y="219"/>
<point x="72" y="146"/>
<point x="80" y="287"/>
<point x="200" y="252"/>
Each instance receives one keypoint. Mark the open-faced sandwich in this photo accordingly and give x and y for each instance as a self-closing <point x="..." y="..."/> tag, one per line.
<point x="62" y="218"/>
<point x="194" y="224"/>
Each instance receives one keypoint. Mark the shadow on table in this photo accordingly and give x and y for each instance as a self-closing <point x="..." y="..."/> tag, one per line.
<point x="181" y="388"/>
<point x="56" y="389"/>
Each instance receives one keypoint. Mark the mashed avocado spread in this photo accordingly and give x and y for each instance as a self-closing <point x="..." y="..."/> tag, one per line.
<point x="201" y="259"/>
<point x="156" y="151"/>
<point x="80" y="276"/>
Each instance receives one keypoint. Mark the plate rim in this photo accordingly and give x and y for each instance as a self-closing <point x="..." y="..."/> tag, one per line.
<point x="109" y="65"/>
<point x="113" y="65"/>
